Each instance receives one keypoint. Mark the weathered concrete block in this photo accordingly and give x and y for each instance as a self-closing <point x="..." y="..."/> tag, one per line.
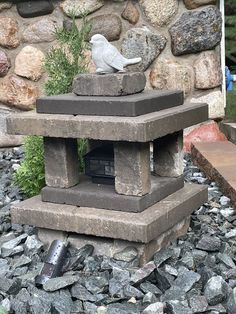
<point x="132" y="168"/>
<point x="142" y="227"/>
<point x="61" y="162"/>
<point x="115" y="84"/>
<point x="109" y="247"/>
<point x="144" y="128"/>
<point x="168" y="155"/>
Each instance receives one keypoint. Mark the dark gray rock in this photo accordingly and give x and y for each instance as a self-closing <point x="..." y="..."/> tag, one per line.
<point x="8" y="246"/>
<point x="149" y="298"/>
<point x="178" y="307"/>
<point x="90" y="308"/>
<point x="34" y="8"/>
<point x="10" y="286"/>
<point x="77" y="307"/>
<point x="209" y="243"/>
<point x="119" y="308"/>
<point x="141" y="274"/>
<point x="97" y="284"/>
<point x="198" y="304"/>
<point x="80" y="292"/>
<point x="115" y="84"/>
<point x="40" y="305"/>
<point x="32" y="245"/>
<point x="92" y="264"/>
<point x="130" y="291"/>
<point x="162" y="280"/>
<point x="76" y="260"/>
<point x="162" y="256"/>
<point x="149" y="287"/>
<point x="62" y="303"/>
<point x="216" y="290"/>
<point x="187" y="279"/>
<point x="226" y="259"/>
<point x="59" y="283"/>
<point x="231" y="304"/>
<point x="155" y="308"/>
<point x="174" y="293"/>
<point x="199" y="257"/>
<point x="128" y="254"/>
<point x="140" y="42"/>
<point x="23" y="260"/>
<point x="196" y="31"/>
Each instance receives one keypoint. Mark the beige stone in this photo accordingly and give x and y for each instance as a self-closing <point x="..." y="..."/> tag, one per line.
<point x="169" y="74"/>
<point x="79" y="7"/>
<point x="9" y="37"/>
<point x="207" y="71"/>
<point x="41" y="31"/>
<point x="29" y="63"/>
<point x="131" y="13"/>
<point x="215" y="101"/>
<point x="159" y="12"/>
<point x="18" y="93"/>
<point x="5" y="5"/>
<point x="193" y="4"/>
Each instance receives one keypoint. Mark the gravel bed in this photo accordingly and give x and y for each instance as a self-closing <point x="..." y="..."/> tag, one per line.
<point x="196" y="274"/>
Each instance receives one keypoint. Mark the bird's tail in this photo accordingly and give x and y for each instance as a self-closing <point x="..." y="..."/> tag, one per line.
<point x="133" y="61"/>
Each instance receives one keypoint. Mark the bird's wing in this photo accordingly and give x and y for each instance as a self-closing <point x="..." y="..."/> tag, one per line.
<point x="113" y="58"/>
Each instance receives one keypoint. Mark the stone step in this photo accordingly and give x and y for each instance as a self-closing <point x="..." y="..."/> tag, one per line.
<point x="229" y="129"/>
<point x="138" y="227"/>
<point x="144" y="128"/>
<point x="218" y="161"/>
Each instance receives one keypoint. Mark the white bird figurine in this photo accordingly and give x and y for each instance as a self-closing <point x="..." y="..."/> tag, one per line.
<point x="107" y="58"/>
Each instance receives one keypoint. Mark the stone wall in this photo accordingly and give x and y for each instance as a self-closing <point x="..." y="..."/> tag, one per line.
<point x="179" y="41"/>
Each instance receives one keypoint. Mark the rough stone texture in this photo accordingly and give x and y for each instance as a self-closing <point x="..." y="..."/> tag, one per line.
<point x="141" y="42"/>
<point x="215" y="103"/>
<point x="29" y="63"/>
<point x="88" y="194"/>
<point x="18" y="93"/>
<point x="168" y="155"/>
<point x="108" y="25"/>
<point x="155" y="308"/>
<point x="168" y="74"/>
<point x="196" y="31"/>
<point x="9" y="37"/>
<point x="41" y="31"/>
<point x="143" y="128"/>
<point x="61" y="162"/>
<point x="119" y="84"/>
<point x="5" y="5"/>
<point x="129" y="106"/>
<point x="132" y="168"/>
<point x="217" y="160"/>
<point x="111" y="247"/>
<point x="142" y="227"/>
<point x="131" y="13"/>
<point x="193" y="4"/>
<point x="81" y="6"/>
<point x="5" y="63"/>
<point x="205" y="132"/>
<point x="207" y="71"/>
<point x="215" y="290"/>
<point x="231" y="304"/>
<point x="159" y="12"/>
<point x="34" y="8"/>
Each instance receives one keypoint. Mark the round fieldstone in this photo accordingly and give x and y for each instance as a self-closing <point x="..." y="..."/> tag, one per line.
<point x="207" y="71"/>
<point x="34" y="8"/>
<point x="193" y="4"/>
<point x="9" y="32"/>
<point x="18" y="93"/>
<point x="41" y="31"/>
<point x="196" y="31"/>
<point x="131" y="13"/>
<point x="140" y="42"/>
<point x="108" y="25"/>
<point x="5" y="63"/>
<point x="169" y="74"/>
<point x="159" y="12"/>
<point x="29" y="63"/>
<point x="5" y="5"/>
<point x="80" y="7"/>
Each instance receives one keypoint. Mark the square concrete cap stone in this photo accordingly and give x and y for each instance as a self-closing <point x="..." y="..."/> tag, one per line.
<point x="127" y="106"/>
<point x="138" y="227"/>
<point x="115" y="84"/>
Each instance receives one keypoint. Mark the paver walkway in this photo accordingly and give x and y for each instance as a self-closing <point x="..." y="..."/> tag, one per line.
<point x="218" y="161"/>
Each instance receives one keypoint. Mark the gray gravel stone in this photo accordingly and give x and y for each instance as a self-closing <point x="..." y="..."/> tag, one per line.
<point x="231" y="304"/>
<point x="155" y="308"/>
<point x="125" y="308"/>
<point x="187" y="279"/>
<point x="216" y="290"/>
<point x="178" y="307"/>
<point x="198" y="304"/>
<point x="59" y="283"/>
<point x="80" y="292"/>
<point x="149" y="287"/>
<point x="128" y="254"/>
<point x="209" y="243"/>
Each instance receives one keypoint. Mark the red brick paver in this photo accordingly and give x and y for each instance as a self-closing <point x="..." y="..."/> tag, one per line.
<point x="218" y="161"/>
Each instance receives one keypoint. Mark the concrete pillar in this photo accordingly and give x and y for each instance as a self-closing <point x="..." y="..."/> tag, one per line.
<point x="61" y="162"/>
<point x="132" y="168"/>
<point x="168" y="155"/>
